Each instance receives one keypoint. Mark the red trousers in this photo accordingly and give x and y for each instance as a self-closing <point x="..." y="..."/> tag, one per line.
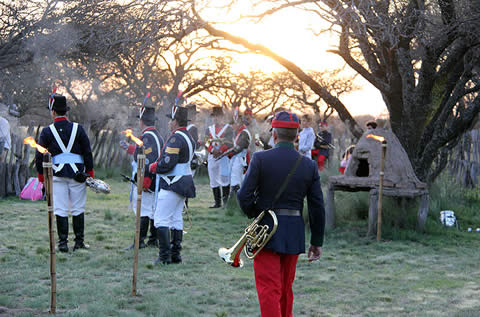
<point x="320" y="159"/>
<point x="274" y="275"/>
<point x="321" y="162"/>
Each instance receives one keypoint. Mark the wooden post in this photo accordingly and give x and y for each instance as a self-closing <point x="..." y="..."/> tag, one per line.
<point x="330" y="208"/>
<point x="380" y="190"/>
<point x="140" y="173"/>
<point x="48" y="183"/>
<point x="372" y="213"/>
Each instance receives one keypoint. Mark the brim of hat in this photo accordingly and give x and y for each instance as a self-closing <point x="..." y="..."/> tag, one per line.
<point x="138" y="117"/>
<point x="170" y="117"/>
<point x="68" y="108"/>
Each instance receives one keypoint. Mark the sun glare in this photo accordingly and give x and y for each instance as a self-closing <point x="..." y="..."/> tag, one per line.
<point x="288" y="34"/>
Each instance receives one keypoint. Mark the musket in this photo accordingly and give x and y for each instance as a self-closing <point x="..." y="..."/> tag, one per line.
<point x="230" y="150"/>
<point x="133" y="181"/>
<point x="330" y="145"/>
<point x="209" y="141"/>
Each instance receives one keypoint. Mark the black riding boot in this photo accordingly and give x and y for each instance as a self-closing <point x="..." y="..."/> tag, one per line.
<point x="233" y="193"/>
<point x="164" y="254"/>
<point x="218" y="197"/>
<point x="226" y="193"/>
<point x="62" y="229"/>
<point x="143" y="234"/>
<point x="78" y="229"/>
<point x="152" y="239"/>
<point x="177" y="237"/>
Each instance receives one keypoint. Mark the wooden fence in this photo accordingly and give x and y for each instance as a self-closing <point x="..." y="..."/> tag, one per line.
<point x="19" y="162"/>
<point x="14" y="170"/>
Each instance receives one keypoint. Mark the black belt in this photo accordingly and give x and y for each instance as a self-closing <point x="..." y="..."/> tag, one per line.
<point x="287" y="212"/>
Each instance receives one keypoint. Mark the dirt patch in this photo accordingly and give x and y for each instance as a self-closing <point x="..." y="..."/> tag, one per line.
<point x="5" y="311"/>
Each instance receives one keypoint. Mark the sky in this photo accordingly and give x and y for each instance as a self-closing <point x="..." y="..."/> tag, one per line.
<point x="287" y="33"/>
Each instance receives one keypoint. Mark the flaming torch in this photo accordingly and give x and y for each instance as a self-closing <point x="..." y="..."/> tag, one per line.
<point x="48" y="183"/>
<point x="128" y="133"/>
<point x="140" y="173"/>
<point x="380" y="185"/>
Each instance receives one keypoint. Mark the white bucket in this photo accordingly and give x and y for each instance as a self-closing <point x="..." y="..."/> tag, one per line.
<point x="447" y="217"/>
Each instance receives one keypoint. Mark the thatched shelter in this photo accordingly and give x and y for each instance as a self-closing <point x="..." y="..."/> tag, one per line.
<point x="363" y="174"/>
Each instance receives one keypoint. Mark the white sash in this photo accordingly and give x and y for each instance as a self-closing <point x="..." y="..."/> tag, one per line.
<point x="182" y="169"/>
<point x="64" y="149"/>
<point x="157" y="179"/>
<point x="238" y="136"/>
<point x="220" y="133"/>
<point x="157" y="141"/>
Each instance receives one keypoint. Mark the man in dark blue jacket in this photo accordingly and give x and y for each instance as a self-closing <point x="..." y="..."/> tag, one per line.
<point x="275" y="265"/>
<point x="152" y="144"/>
<point x="71" y="154"/>
<point x="176" y="183"/>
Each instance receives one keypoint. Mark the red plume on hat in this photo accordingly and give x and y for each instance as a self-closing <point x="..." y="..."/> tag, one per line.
<point x="142" y="109"/>
<point x="235" y="114"/>
<point x="175" y="105"/>
<point x="52" y="98"/>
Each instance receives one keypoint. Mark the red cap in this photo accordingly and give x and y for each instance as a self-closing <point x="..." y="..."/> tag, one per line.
<point x="284" y="119"/>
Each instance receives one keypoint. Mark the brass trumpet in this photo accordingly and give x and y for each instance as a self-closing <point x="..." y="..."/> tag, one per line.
<point x="252" y="241"/>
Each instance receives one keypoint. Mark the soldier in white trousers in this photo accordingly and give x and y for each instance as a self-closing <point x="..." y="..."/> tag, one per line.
<point x="152" y="143"/>
<point x="71" y="157"/>
<point x="220" y="138"/>
<point x="176" y="183"/>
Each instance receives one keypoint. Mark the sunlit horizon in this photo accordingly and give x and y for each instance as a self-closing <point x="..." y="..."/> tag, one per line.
<point x="288" y="34"/>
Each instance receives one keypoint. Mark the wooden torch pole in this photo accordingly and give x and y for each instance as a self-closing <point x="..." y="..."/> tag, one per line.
<point x="48" y="183"/>
<point x="140" y="173"/>
<point x="380" y="190"/>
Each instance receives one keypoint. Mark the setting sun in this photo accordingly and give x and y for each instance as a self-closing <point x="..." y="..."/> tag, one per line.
<point x="289" y="34"/>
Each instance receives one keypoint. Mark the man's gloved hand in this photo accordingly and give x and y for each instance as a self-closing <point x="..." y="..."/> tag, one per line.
<point x="123" y="144"/>
<point x="314" y="253"/>
<point x="147" y="181"/>
<point x="153" y="168"/>
<point x="41" y="178"/>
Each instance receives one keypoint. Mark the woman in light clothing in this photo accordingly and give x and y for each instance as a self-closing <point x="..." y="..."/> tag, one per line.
<point x="306" y="138"/>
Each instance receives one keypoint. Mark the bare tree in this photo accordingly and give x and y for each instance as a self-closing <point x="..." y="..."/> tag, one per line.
<point x="421" y="55"/>
<point x="299" y="94"/>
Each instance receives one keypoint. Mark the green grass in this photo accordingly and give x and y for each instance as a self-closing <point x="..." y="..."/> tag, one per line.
<point x="408" y="274"/>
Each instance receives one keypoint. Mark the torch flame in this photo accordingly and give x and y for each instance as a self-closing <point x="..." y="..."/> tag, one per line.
<point x="30" y="141"/>
<point x="376" y="137"/>
<point x="128" y="134"/>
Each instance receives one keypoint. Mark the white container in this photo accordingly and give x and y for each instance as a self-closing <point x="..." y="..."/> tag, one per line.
<point x="447" y="217"/>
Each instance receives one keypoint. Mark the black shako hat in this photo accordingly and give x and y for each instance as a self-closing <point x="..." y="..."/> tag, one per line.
<point x="178" y="113"/>
<point x="217" y="111"/>
<point x="58" y="103"/>
<point x="192" y="108"/>
<point x="147" y="113"/>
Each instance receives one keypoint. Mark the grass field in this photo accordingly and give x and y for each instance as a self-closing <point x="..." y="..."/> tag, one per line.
<point x="407" y="274"/>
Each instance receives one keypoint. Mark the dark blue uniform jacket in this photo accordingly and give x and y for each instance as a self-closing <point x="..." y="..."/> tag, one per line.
<point x="326" y="140"/>
<point x="176" y="151"/>
<point x="80" y="146"/>
<point x="266" y="173"/>
<point x="151" y="152"/>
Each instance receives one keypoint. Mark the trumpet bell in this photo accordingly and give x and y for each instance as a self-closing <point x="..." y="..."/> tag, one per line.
<point x="226" y="255"/>
<point x="252" y="241"/>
